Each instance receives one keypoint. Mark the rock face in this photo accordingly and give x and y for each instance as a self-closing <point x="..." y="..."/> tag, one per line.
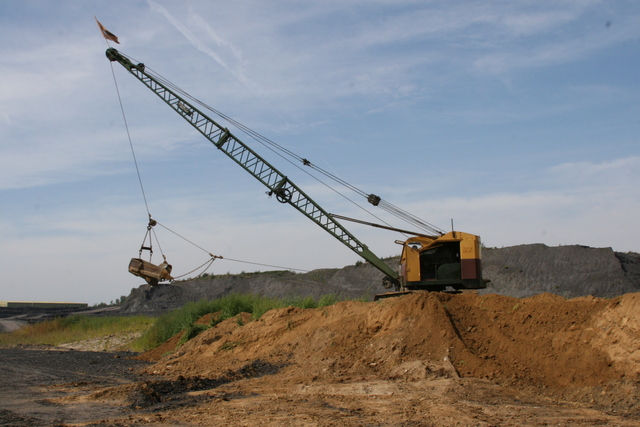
<point x="361" y="281"/>
<point x="516" y="271"/>
<point x="569" y="271"/>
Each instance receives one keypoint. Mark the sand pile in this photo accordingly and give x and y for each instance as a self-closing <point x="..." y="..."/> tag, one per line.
<point x="544" y="341"/>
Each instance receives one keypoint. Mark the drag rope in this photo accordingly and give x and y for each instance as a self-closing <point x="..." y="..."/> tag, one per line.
<point x="213" y="257"/>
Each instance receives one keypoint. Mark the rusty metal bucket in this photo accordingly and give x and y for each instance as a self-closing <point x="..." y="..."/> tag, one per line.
<point x="153" y="274"/>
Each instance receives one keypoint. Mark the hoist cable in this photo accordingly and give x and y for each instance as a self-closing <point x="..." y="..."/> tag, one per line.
<point x="158" y="242"/>
<point x="255" y="135"/>
<point x="150" y="230"/>
<point x="133" y="153"/>
<point x="401" y="213"/>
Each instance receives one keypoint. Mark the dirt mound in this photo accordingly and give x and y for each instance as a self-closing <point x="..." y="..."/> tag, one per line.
<point x="423" y="359"/>
<point x="548" y="342"/>
<point x="173" y="343"/>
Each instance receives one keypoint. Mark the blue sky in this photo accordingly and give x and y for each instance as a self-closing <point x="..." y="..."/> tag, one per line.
<point x="518" y="120"/>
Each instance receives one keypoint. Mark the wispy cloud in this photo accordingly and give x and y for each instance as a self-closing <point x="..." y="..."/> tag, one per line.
<point x="201" y="46"/>
<point x="541" y="40"/>
<point x="598" y="179"/>
<point x="583" y="203"/>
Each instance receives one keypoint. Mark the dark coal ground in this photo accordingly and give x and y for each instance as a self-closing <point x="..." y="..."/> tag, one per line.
<point x="33" y="376"/>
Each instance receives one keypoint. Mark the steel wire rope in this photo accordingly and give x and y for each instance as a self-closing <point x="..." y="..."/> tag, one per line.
<point x="266" y="265"/>
<point x="384" y="205"/>
<point x="296" y="279"/>
<point x="225" y="258"/>
<point x="213" y="257"/>
<point x="264" y="140"/>
<point x="207" y="263"/>
<point x="133" y="153"/>
<point x="273" y="146"/>
<point x="255" y="135"/>
<point x="158" y="242"/>
<point x="410" y="218"/>
<point x="135" y="161"/>
<point x="311" y="281"/>
<point x="269" y="144"/>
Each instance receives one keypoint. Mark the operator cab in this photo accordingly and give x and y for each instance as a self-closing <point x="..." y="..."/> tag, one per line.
<point x="435" y="263"/>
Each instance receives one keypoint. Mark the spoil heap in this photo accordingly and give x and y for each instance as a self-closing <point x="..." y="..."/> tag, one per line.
<point x="586" y="349"/>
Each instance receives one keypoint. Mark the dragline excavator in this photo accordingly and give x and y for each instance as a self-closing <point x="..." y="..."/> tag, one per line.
<point x="427" y="262"/>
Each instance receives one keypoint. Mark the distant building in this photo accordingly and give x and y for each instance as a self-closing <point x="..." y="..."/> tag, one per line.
<point x="36" y="304"/>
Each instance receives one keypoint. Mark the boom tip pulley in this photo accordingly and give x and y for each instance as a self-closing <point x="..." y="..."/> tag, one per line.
<point x="373" y="199"/>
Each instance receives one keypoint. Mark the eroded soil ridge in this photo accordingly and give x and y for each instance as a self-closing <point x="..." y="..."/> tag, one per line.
<point x="582" y="347"/>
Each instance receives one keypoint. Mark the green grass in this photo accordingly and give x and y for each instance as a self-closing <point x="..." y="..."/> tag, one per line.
<point x="75" y="328"/>
<point x="156" y="331"/>
<point x="184" y="318"/>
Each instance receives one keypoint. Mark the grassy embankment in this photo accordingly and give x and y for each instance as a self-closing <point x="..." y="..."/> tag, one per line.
<point x="155" y="331"/>
<point x="75" y="329"/>
<point x="183" y="319"/>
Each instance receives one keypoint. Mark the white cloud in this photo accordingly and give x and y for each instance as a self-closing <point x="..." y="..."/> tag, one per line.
<point x="202" y="47"/>
<point x="594" y="204"/>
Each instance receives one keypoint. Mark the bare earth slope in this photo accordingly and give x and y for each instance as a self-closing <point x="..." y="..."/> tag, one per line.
<point x="544" y="340"/>
<point x="423" y="359"/>
<point x="426" y="359"/>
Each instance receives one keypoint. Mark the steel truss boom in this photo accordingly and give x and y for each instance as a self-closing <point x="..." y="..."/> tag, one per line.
<point x="277" y="183"/>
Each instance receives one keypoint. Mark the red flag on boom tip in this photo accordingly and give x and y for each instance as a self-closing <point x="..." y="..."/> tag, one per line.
<point x="106" y="33"/>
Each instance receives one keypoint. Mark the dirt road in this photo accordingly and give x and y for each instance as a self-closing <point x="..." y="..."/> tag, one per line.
<point x="10" y="325"/>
